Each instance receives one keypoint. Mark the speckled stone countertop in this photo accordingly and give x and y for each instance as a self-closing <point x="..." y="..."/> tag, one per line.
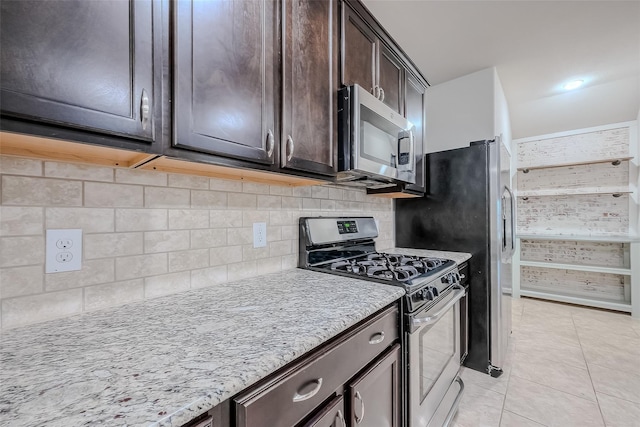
<point x="162" y="362"/>
<point x="458" y="257"/>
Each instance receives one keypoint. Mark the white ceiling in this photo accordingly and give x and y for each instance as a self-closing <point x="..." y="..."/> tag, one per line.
<point x="535" y="46"/>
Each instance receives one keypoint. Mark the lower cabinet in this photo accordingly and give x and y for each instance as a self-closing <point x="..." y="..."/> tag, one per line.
<point x="331" y="415"/>
<point x="354" y="380"/>
<point x="375" y="393"/>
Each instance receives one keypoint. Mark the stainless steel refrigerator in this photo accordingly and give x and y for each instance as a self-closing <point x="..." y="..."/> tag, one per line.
<point x="469" y="207"/>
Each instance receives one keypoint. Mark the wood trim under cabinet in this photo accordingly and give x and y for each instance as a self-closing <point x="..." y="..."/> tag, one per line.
<point x="170" y="165"/>
<point x="15" y="144"/>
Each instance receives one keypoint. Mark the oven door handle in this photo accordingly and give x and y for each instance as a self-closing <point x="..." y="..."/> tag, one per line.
<point x="431" y="318"/>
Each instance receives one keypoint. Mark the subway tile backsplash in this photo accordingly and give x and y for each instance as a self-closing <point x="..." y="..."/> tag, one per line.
<point x="148" y="234"/>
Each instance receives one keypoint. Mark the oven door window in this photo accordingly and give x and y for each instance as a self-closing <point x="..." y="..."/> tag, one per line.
<point x="436" y="349"/>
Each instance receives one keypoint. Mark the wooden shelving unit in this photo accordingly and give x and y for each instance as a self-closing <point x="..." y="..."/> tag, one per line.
<point x="577" y="217"/>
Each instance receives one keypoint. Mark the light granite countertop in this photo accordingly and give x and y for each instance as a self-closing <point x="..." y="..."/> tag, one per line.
<point x="164" y="361"/>
<point x="458" y="257"/>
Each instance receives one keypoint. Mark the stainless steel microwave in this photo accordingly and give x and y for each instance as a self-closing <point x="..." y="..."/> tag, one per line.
<point x="376" y="144"/>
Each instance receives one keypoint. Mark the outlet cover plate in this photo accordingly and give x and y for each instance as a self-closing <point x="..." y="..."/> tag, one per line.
<point x="63" y="250"/>
<point x="259" y="234"/>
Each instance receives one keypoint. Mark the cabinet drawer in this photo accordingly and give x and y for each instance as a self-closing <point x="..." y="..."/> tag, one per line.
<point x="296" y="392"/>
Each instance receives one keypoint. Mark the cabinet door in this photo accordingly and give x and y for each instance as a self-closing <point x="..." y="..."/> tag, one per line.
<point x="391" y="79"/>
<point x="224" y="77"/>
<point x="309" y="121"/>
<point x="416" y="108"/>
<point x="332" y="415"/>
<point x="359" y="51"/>
<point x="81" y="64"/>
<point x="375" y="394"/>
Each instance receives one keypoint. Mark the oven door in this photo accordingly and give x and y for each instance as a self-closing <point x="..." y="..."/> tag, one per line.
<point x="433" y="339"/>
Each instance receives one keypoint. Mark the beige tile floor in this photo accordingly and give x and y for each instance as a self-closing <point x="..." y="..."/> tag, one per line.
<point x="566" y="366"/>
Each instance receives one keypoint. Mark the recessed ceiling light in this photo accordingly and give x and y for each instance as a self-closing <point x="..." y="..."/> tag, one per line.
<point x="574" y="84"/>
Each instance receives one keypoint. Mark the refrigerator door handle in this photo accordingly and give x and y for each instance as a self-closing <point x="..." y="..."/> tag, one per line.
<point x="512" y="224"/>
<point x="504" y="222"/>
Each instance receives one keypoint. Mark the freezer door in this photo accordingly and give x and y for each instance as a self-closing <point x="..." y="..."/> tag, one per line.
<point x="502" y="247"/>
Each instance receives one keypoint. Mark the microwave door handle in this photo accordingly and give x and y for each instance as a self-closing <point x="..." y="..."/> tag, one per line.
<point x="404" y="135"/>
<point x="412" y="146"/>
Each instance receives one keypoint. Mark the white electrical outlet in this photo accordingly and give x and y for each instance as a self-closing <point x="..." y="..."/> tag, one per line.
<point x="259" y="234"/>
<point x="63" y="250"/>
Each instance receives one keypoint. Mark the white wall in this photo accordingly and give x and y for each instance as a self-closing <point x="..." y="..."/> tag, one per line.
<point x="502" y="121"/>
<point x="460" y="111"/>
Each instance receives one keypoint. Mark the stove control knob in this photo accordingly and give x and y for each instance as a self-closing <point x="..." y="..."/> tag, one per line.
<point x="435" y="292"/>
<point x="430" y="294"/>
<point x="425" y="294"/>
<point x="444" y="279"/>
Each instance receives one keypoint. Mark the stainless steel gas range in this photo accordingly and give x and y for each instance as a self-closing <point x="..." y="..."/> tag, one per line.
<point x="432" y="387"/>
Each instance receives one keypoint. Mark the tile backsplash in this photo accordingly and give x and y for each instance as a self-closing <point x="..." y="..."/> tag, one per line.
<point x="148" y="234"/>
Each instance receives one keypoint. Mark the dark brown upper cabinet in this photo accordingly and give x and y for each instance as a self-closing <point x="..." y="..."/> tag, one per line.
<point x="225" y="78"/>
<point x="391" y="79"/>
<point x="367" y="61"/>
<point x="83" y="65"/>
<point x="310" y="80"/>
<point x="415" y="97"/>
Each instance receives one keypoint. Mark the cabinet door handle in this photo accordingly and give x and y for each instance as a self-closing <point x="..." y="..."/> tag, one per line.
<point x="381" y="94"/>
<point x="299" y="397"/>
<point x="340" y="418"/>
<point x="376" y="91"/>
<point x="289" y="147"/>
<point x="144" y="109"/>
<point x="270" y="143"/>
<point x="376" y="338"/>
<point x="359" y="397"/>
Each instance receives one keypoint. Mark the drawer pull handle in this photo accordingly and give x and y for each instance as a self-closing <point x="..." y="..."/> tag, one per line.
<point x="340" y="418"/>
<point x="359" y="397"/>
<point x="308" y="395"/>
<point x="376" y="338"/>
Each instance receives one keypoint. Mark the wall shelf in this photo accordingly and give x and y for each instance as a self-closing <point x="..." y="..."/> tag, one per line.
<point x="609" y="305"/>
<point x="580" y="238"/>
<point x="573" y="191"/>
<point x="577" y="267"/>
<point x="611" y="160"/>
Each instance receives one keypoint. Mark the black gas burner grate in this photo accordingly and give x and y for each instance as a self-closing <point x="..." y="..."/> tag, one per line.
<point x="388" y="266"/>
